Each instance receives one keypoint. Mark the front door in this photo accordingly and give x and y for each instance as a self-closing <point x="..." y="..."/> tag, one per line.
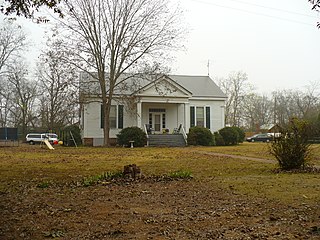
<point x="157" y="119"/>
<point x="157" y="123"/>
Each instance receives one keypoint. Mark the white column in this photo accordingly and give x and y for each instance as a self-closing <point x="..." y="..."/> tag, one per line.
<point x="139" y="114"/>
<point x="187" y="116"/>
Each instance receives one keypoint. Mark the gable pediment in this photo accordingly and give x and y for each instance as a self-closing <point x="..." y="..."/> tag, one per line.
<point x="164" y="87"/>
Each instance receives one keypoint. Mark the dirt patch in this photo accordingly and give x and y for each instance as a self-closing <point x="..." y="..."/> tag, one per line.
<point x="150" y="208"/>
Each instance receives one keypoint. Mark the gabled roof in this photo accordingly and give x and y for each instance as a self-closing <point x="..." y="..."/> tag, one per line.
<point x="164" y="85"/>
<point x="195" y="86"/>
<point x="200" y="86"/>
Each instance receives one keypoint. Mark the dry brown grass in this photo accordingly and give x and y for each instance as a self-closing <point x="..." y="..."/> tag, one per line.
<point x="33" y="165"/>
<point x="257" y="150"/>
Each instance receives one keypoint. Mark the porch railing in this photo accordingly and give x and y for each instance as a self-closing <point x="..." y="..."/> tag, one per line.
<point x="147" y="135"/>
<point x="184" y="134"/>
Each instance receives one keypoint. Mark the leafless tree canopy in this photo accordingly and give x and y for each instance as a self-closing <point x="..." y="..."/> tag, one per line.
<point x="113" y="40"/>
<point x="12" y="42"/>
<point x="250" y="110"/>
<point x="59" y="95"/>
<point x="237" y="87"/>
<point x="21" y="96"/>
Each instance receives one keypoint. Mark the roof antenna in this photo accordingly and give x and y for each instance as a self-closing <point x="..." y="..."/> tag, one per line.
<point x="208" y="66"/>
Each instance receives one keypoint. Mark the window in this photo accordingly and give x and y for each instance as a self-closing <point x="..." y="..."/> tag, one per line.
<point x="120" y="116"/>
<point x="192" y="117"/>
<point x="208" y="117"/>
<point x="115" y="116"/>
<point x="163" y="120"/>
<point x="200" y="116"/>
<point x="157" y="110"/>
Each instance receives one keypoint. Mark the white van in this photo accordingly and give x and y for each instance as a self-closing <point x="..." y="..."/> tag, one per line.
<point x="33" y="138"/>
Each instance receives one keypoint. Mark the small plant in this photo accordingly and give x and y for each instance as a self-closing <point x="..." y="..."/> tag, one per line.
<point x="229" y="135"/>
<point x="113" y="175"/>
<point x="291" y="148"/>
<point x="132" y="134"/>
<point x="54" y="234"/>
<point x="200" y="136"/>
<point x="181" y="174"/>
<point x="93" y="180"/>
<point x="43" y="185"/>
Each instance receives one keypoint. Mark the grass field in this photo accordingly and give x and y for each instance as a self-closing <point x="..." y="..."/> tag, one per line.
<point x="235" y="193"/>
<point x="35" y="165"/>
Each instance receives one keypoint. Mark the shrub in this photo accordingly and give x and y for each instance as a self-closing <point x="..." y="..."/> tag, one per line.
<point x="230" y="135"/>
<point x="132" y="134"/>
<point x="66" y="137"/>
<point x="291" y="148"/>
<point x="219" y="139"/>
<point x="241" y="134"/>
<point x="200" y="136"/>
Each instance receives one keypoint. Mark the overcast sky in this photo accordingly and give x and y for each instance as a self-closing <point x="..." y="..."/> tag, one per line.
<point x="275" y="42"/>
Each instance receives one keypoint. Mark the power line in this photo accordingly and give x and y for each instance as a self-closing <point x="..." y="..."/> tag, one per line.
<point x="272" y="8"/>
<point x="255" y="13"/>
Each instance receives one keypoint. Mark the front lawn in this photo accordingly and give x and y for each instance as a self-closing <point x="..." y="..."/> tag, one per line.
<point x="42" y="194"/>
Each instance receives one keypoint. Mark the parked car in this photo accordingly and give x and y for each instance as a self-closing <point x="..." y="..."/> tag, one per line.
<point x="33" y="138"/>
<point x="263" y="137"/>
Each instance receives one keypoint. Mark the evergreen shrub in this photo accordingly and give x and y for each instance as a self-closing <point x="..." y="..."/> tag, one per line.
<point x="229" y="135"/>
<point x="132" y="134"/>
<point x="200" y="136"/>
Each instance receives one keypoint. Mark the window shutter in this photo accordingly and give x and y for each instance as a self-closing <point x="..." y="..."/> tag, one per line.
<point x="192" y="114"/>
<point x="102" y="116"/>
<point x="120" y="116"/>
<point x="208" y="117"/>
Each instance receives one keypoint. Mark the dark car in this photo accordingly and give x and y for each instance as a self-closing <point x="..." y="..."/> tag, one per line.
<point x="263" y="137"/>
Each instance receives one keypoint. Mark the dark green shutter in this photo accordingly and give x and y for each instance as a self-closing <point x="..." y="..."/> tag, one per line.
<point x="208" y="117"/>
<point x="120" y="116"/>
<point x="102" y="116"/>
<point x="192" y="115"/>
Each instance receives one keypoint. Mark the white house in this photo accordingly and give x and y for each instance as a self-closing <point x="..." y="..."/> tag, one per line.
<point x="162" y="104"/>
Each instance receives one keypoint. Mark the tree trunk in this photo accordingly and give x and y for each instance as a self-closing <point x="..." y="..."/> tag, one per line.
<point x="106" y="128"/>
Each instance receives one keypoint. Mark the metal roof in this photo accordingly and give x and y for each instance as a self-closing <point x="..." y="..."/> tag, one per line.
<point x="199" y="86"/>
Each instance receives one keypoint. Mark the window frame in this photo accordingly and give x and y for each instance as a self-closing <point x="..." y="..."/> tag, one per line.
<point x="206" y="115"/>
<point x="119" y="117"/>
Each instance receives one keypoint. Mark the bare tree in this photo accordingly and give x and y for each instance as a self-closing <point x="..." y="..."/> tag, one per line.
<point x="59" y="95"/>
<point x="12" y="42"/>
<point x="236" y="87"/>
<point x="113" y="39"/>
<point x="300" y="104"/>
<point x="257" y="111"/>
<point x="23" y="97"/>
<point x="5" y="101"/>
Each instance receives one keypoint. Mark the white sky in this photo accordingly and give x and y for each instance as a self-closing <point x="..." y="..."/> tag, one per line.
<point x="277" y="49"/>
<point x="236" y="35"/>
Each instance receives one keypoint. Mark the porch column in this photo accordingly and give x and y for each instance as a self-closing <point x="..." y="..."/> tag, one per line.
<point x="139" y="114"/>
<point x="187" y="116"/>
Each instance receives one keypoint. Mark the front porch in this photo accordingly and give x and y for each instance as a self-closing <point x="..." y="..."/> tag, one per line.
<point x="162" y="118"/>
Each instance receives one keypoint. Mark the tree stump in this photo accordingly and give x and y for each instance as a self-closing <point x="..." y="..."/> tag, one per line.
<point x="132" y="171"/>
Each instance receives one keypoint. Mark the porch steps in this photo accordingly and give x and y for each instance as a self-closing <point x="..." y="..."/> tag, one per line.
<point x="167" y="140"/>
